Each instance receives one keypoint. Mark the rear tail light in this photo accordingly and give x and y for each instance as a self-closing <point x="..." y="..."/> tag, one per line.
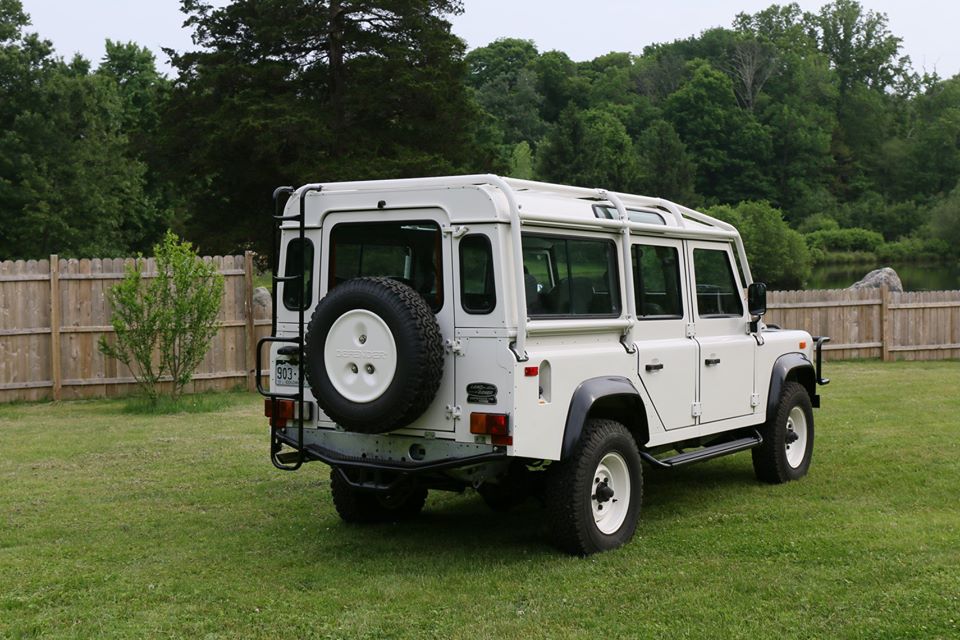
<point x="286" y="410"/>
<point x="495" y="425"/>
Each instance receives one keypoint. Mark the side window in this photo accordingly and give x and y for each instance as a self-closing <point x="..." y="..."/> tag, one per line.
<point x="656" y="277"/>
<point x="299" y="260"/>
<point x="570" y="276"/>
<point x="717" y="293"/>
<point x="477" y="291"/>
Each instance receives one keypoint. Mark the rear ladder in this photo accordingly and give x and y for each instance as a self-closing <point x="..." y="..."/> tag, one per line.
<point x="293" y="460"/>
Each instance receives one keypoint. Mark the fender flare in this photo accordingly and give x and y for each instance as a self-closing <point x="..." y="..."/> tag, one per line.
<point x="791" y="365"/>
<point x="585" y="396"/>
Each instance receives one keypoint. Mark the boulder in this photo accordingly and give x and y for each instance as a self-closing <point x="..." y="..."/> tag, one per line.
<point x="262" y="304"/>
<point x="879" y="277"/>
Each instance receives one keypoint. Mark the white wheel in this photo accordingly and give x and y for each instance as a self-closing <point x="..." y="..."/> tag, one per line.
<point x="610" y="494"/>
<point x="796" y="437"/>
<point x="360" y="355"/>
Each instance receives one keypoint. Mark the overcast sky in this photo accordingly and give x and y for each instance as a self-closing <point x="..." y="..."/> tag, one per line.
<point x="583" y="29"/>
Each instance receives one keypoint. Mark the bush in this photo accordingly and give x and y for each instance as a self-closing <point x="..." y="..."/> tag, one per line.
<point x="163" y="324"/>
<point x="914" y="250"/>
<point x="854" y="239"/>
<point x="777" y="253"/>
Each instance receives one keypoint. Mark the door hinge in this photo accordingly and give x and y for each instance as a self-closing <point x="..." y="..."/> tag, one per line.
<point x="454" y="346"/>
<point x="754" y="399"/>
<point x="696" y="410"/>
<point x="454" y="412"/>
<point x="691" y="330"/>
<point x="455" y="230"/>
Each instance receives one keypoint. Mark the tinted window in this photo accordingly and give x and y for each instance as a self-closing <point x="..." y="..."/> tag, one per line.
<point x="717" y="292"/>
<point x="634" y="215"/>
<point x="570" y="276"/>
<point x="656" y="277"/>
<point x="407" y="251"/>
<point x="477" y="292"/>
<point x="299" y="261"/>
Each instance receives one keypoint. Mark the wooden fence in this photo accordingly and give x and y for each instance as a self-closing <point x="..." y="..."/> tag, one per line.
<point x="874" y="323"/>
<point x="53" y="312"/>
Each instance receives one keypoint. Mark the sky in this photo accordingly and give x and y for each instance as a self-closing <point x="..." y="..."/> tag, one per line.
<point x="584" y="29"/>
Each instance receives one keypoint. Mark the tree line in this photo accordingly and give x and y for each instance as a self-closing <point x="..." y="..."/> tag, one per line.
<point x="810" y="128"/>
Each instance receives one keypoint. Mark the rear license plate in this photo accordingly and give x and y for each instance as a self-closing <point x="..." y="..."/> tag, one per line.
<point x="286" y="375"/>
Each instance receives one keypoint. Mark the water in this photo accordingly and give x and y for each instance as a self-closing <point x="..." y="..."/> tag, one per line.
<point x="915" y="277"/>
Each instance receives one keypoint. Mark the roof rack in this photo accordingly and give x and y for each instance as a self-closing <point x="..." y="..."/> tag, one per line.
<point x="509" y="187"/>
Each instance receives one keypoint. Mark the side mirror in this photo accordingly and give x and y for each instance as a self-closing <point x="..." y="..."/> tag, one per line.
<point x="756" y="303"/>
<point x="757" y="299"/>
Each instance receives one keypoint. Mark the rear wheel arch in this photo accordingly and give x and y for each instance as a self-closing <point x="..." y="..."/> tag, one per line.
<point x="607" y="397"/>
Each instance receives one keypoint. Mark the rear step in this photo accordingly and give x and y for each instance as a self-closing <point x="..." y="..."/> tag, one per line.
<point x="706" y="453"/>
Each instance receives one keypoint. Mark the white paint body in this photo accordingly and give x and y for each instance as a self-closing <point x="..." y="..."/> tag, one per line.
<point x="684" y="400"/>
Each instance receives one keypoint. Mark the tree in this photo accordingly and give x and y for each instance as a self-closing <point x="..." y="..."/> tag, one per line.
<point x="731" y="149"/>
<point x="589" y="148"/>
<point x="163" y="326"/>
<point x="666" y="169"/>
<point x="68" y="184"/>
<point x="778" y="255"/>
<point x="291" y="91"/>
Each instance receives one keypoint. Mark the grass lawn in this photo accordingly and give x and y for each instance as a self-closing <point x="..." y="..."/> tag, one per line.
<point x="114" y="524"/>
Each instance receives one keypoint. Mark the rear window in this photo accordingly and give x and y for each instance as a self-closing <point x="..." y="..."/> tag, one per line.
<point x="407" y="251"/>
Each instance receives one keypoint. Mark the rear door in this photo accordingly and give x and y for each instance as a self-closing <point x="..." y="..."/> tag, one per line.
<point x="667" y="357"/>
<point x="409" y="247"/>
<point x="727" y="351"/>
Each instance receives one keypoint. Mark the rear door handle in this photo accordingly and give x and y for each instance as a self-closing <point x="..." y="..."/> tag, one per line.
<point x="711" y="361"/>
<point x="655" y="367"/>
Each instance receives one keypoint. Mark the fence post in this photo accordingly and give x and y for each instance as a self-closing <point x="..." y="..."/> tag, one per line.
<point x="885" y="323"/>
<point x="251" y="327"/>
<point x="55" y="371"/>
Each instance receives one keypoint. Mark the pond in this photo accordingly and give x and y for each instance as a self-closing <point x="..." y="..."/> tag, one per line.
<point x="915" y="277"/>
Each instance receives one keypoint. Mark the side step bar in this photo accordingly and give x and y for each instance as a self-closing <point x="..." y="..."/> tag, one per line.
<point x="706" y="453"/>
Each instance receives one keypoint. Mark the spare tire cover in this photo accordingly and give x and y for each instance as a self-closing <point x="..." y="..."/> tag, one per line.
<point x="374" y="355"/>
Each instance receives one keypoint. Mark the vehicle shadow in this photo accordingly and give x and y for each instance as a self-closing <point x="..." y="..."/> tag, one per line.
<point x="454" y="527"/>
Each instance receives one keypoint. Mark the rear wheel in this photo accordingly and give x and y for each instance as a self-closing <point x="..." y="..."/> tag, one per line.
<point x="594" y="497"/>
<point x="787" y="447"/>
<point x="354" y="505"/>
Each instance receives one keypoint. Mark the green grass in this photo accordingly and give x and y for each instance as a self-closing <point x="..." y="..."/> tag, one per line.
<point x="121" y="525"/>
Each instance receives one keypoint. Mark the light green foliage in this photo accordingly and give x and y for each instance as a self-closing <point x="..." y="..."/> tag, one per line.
<point x="777" y="253"/>
<point x="163" y="323"/>
<point x="850" y="239"/>
<point x="125" y="526"/>
<point x="521" y="161"/>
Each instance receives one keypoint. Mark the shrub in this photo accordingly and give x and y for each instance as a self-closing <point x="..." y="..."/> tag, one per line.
<point x="853" y="239"/>
<point x="163" y="323"/>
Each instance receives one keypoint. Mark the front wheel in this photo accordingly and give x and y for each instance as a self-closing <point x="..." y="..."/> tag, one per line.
<point x="594" y="497"/>
<point x="354" y="505"/>
<point x="787" y="447"/>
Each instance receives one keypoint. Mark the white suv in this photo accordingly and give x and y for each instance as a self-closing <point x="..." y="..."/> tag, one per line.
<point x="522" y="339"/>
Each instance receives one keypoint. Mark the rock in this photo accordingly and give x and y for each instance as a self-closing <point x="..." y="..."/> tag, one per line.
<point x="262" y="304"/>
<point x="879" y="277"/>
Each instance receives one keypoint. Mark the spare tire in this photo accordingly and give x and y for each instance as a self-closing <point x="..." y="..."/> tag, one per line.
<point x="374" y="355"/>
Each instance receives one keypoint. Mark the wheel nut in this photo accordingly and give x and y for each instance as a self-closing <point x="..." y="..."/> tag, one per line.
<point x="369" y="368"/>
<point x="363" y="339"/>
<point x="353" y="368"/>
